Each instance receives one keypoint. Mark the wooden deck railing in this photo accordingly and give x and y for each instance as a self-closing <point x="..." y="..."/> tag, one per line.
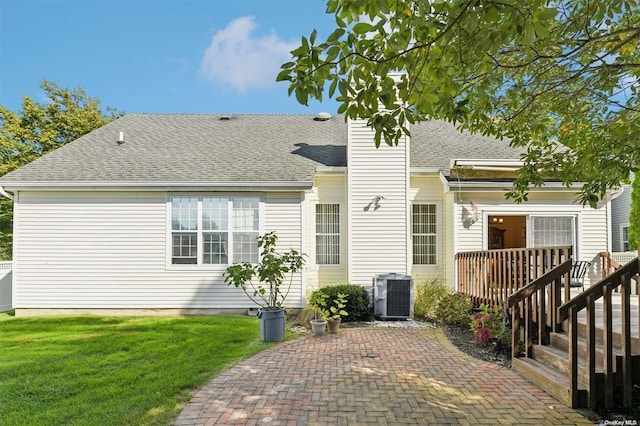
<point x="609" y="265"/>
<point x="491" y="276"/>
<point x="537" y="304"/>
<point x="611" y="262"/>
<point x="569" y="311"/>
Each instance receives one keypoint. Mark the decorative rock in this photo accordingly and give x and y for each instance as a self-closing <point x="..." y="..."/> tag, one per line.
<point x="305" y="316"/>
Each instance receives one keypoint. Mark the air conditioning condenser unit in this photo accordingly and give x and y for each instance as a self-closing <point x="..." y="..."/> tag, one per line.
<point x="393" y="296"/>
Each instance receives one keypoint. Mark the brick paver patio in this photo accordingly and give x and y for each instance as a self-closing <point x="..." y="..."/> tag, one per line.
<point x="372" y="376"/>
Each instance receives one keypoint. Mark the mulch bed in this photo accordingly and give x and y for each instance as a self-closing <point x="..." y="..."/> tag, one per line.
<point x="462" y="338"/>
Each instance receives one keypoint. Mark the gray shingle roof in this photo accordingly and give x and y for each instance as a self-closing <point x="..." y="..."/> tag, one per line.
<point x="435" y="143"/>
<point x="246" y="148"/>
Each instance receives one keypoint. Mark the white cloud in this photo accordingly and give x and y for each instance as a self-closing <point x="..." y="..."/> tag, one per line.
<point x="242" y="60"/>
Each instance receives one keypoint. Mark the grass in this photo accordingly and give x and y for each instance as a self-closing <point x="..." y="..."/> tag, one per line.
<point x="113" y="370"/>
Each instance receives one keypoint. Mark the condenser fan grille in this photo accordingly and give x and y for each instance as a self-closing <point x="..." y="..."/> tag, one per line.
<point x="393" y="296"/>
<point x="398" y="298"/>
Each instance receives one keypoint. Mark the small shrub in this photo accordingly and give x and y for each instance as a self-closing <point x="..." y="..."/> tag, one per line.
<point x="489" y="323"/>
<point x="357" y="300"/>
<point x="427" y="298"/>
<point x="454" y="308"/>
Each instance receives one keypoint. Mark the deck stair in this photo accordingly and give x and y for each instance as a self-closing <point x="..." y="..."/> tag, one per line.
<point x="548" y="368"/>
<point x="592" y="363"/>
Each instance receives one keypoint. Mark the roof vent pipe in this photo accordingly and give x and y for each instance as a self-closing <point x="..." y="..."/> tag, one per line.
<point x="323" y="116"/>
<point x="120" y="138"/>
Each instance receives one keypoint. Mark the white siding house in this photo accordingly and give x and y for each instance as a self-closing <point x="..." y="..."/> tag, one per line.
<point x="110" y="250"/>
<point x="620" y="209"/>
<point x="149" y="225"/>
<point x="6" y="286"/>
<point x="377" y="190"/>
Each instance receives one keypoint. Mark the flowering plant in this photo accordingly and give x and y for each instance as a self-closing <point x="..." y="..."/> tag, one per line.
<point x="489" y="323"/>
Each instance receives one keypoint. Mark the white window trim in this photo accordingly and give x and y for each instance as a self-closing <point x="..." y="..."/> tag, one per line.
<point x="577" y="235"/>
<point x="622" y="226"/>
<point x="168" y="231"/>
<point x="439" y="232"/>
<point x="342" y="235"/>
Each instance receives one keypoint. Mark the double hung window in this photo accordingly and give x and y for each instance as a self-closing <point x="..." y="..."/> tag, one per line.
<point x="625" y="238"/>
<point x="214" y="230"/>
<point x="424" y="232"/>
<point x="327" y="234"/>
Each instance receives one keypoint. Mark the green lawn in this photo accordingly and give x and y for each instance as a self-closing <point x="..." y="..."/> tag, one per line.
<point x="113" y="370"/>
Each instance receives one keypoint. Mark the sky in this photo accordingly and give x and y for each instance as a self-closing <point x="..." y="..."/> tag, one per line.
<point x="159" y="56"/>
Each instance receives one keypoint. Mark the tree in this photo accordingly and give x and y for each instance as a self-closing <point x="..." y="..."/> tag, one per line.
<point x="633" y="239"/>
<point x="560" y="78"/>
<point x="40" y="128"/>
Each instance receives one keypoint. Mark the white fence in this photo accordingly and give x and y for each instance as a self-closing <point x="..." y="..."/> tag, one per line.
<point x="6" y="286"/>
<point x="624" y="257"/>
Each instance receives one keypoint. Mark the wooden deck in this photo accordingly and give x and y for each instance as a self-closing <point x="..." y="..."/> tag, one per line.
<point x="589" y="337"/>
<point x="617" y="309"/>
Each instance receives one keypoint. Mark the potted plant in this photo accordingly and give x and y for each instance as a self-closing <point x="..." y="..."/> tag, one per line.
<point x="332" y="311"/>
<point x="318" y="325"/>
<point x="270" y="291"/>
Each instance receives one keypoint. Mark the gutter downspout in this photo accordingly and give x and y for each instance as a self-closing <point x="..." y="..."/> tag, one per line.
<point x="5" y="193"/>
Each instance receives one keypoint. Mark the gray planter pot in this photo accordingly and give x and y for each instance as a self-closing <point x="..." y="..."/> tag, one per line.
<point x="318" y="327"/>
<point x="271" y="325"/>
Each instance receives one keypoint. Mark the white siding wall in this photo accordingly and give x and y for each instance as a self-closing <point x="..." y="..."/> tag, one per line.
<point x="327" y="189"/>
<point x="592" y="225"/>
<point x="283" y="214"/>
<point x="620" y="209"/>
<point x="108" y="250"/>
<point x="430" y="190"/>
<point x="378" y="237"/>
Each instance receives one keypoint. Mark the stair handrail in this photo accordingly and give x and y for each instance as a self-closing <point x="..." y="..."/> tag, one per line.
<point x="521" y="301"/>
<point x="597" y="290"/>
<point x="608" y="263"/>
<point x="540" y="283"/>
<point x="569" y="311"/>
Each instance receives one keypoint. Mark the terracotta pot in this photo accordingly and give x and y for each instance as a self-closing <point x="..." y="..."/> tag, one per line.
<point x="333" y="325"/>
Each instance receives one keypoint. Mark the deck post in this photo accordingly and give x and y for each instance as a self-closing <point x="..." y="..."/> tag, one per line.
<point x="627" y="385"/>
<point x="607" y="322"/>
<point x="591" y="352"/>
<point x="542" y="317"/>
<point x="573" y="357"/>
<point x="515" y="329"/>
<point x="528" y="327"/>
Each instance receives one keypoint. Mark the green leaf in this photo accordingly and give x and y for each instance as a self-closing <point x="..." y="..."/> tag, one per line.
<point x="283" y="75"/>
<point x="332" y="88"/>
<point x="548" y="13"/>
<point x="362" y="28"/>
<point x="301" y="96"/>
